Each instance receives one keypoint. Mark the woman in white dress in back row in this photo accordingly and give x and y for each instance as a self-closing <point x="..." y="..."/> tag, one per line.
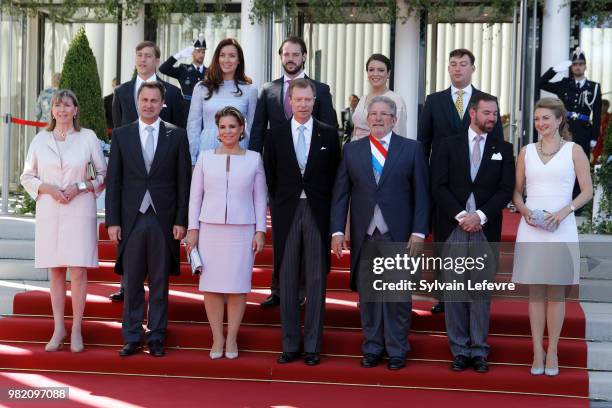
<point x="548" y="259"/>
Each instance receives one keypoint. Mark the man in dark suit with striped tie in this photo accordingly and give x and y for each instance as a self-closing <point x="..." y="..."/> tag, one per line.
<point x="389" y="201"/>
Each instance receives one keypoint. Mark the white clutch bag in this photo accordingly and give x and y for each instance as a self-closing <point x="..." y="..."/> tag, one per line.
<point x="195" y="261"/>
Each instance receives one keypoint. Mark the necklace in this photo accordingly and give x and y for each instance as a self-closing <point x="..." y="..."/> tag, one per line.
<point x="539" y="145"/>
<point x="61" y="135"/>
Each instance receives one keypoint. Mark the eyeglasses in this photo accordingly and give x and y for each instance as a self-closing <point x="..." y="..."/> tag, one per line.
<point x="385" y="115"/>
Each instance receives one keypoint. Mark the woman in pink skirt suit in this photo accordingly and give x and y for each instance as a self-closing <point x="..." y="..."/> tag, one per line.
<point x="55" y="175"/>
<point x="227" y="223"/>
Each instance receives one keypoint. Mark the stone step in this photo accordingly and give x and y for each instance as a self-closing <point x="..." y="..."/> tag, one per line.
<point x="16" y="249"/>
<point x="17" y="227"/>
<point x="599" y="356"/>
<point x="596" y="290"/>
<point x="598" y="321"/>
<point x="600" y="388"/>
<point x="21" y="269"/>
<point x="596" y="268"/>
<point x="8" y="290"/>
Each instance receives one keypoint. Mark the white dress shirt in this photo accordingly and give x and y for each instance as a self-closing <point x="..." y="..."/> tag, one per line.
<point x="467" y="94"/>
<point x="307" y="137"/>
<point x="471" y="143"/>
<point x="140" y="81"/>
<point x="144" y="134"/>
<point x="580" y="84"/>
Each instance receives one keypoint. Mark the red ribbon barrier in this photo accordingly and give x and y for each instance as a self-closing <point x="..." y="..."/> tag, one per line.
<point x="25" y="122"/>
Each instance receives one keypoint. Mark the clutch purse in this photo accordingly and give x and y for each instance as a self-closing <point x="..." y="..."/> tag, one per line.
<point x="91" y="171"/>
<point x="195" y="261"/>
<point x="539" y="220"/>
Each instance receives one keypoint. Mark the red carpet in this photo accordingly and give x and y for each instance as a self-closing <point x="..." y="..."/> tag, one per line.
<point x="337" y="380"/>
<point x="126" y="392"/>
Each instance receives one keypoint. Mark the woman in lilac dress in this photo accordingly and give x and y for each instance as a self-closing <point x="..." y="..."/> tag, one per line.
<point x="224" y="84"/>
<point x="227" y="223"/>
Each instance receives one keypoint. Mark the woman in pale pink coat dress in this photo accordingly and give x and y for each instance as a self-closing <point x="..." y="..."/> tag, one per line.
<point x="55" y="175"/>
<point x="227" y="223"/>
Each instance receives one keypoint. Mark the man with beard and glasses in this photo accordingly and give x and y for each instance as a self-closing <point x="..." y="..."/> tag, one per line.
<point x="274" y="109"/>
<point x="472" y="180"/>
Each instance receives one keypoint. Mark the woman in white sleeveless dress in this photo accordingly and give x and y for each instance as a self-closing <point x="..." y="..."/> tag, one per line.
<point x="549" y="261"/>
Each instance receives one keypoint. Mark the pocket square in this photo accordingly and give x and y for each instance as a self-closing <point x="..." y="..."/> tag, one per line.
<point x="496" y="156"/>
<point x="323" y="148"/>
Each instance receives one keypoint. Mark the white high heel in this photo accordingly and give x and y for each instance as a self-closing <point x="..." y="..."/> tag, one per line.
<point x="553" y="371"/>
<point x="231" y="354"/>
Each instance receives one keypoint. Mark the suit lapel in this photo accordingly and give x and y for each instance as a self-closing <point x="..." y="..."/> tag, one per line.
<point x="489" y="149"/>
<point x="315" y="145"/>
<point x="52" y="144"/>
<point x="393" y="154"/>
<point x="163" y="141"/>
<point x="451" y="109"/>
<point x="365" y="156"/>
<point x="278" y="94"/>
<point x="135" y="147"/>
<point x="464" y="158"/>
<point x="132" y="105"/>
<point x="287" y="145"/>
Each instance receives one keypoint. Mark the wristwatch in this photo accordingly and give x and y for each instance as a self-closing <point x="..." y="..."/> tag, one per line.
<point x="572" y="207"/>
<point x="82" y="186"/>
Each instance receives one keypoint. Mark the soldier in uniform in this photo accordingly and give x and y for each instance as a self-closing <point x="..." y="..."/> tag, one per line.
<point x="581" y="97"/>
<point x="188" y="75"/>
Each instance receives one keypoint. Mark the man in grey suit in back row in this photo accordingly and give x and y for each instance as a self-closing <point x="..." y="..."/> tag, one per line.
<point x="389" y="201"/>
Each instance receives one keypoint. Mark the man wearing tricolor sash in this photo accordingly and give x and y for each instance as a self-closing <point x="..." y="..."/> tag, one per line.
<point x="384" y="176"/>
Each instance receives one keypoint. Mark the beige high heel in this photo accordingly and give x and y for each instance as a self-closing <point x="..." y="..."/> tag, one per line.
<point x="76" y="346"/>
<point x="55" y="345"/>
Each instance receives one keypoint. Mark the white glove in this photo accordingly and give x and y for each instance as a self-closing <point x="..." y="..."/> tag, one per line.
<point x="593" y="143"/>
<point x="562" y="66"/>
<point x="184" y="53"/>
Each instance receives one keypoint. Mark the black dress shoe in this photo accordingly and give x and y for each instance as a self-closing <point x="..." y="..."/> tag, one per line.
<point x="129" y="349"/>
<point x="460" y="363"/>
<point x="156" y="348"/>
<point x="395" y="363"/>
<point x="271" y="301"/>
<point x="312" y="359"/>
<point x="480" y="365"/>
<point x="117" y="296"/>
<point x="287" y="357"/>
<point x="370" y="360"/>
<point x="438" y="308"/>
